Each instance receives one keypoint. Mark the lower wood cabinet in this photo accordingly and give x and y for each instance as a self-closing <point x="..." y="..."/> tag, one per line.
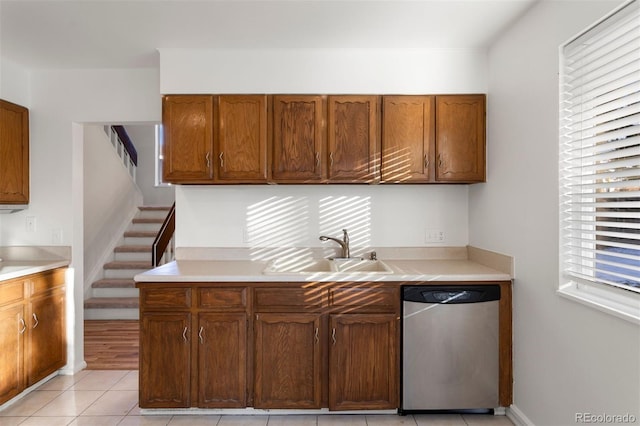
<point x="288" y="356"/>
<point x="165" y="360"/>
<point x="33" y="340"/>
<point x="363" y="362"/>
<point x="193" y="347"/>
<point x="222" y="360"/>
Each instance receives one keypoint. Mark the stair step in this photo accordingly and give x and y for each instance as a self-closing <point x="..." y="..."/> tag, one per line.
<point x="128" y="265"/>
<point x="154" y="220"/>
<point x="112" y="303"/>
<point x="154" y="208"/>
<point x="114" y="283"/>
<point x="140" y="234"/>
<point x="133" y="248"/>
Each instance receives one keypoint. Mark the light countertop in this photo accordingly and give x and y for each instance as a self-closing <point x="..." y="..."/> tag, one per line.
<point x="252" y="271"/>
<point x="19" y="261"/>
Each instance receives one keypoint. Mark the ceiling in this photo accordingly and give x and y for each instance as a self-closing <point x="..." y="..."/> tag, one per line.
<point x="127" y="34"/>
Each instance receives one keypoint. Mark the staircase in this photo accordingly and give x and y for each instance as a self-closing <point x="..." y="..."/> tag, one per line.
<point x="115" y="295"/>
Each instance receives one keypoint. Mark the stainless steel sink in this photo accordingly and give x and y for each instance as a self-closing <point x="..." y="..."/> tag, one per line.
<point x="327" y="266"/>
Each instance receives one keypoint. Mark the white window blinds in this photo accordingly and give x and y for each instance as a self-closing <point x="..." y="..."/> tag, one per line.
<point x="600" y="152"/>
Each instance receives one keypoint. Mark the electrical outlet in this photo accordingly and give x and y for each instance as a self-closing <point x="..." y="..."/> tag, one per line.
<point x="434" y="236"/>
<point x="30" y="224"/>
<point x="56" y="236"/>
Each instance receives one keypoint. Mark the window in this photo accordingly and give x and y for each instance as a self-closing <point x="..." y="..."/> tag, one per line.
<point x="159" y="156"/>
<point x="600" y="164"/>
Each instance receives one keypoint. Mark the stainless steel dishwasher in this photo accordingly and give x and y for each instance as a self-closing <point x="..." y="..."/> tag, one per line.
<point x="449" y="347"/>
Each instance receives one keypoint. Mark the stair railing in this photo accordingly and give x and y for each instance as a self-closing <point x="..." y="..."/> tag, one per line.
<point x="124" y="148"/>
<point x="163" y="248"/>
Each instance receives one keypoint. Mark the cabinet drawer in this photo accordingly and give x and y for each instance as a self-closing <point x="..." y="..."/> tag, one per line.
<point x="47" y="280"/>
<point x="365" y="299"/>
<point x="290" y="299"/>
<point x="223" y="299"/>
<point x="11" y="291"/>
<point x="165" y="298"/>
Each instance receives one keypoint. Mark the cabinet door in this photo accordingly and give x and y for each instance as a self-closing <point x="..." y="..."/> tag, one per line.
<point x="222" y="360"/>
<point x="363" y="361"/>
<point x="353" y="141"/>
<point x="46" y="336"/>
<point x="165" y="360"/>
<point x="188" y="138"/>
<point x="12" y="329"/>
<point x="287" y="361"/>
<point x="14" y="154"/>
<point x="460" y="138"/>
<point x="241" y="138"/>
<point x="298" y="138"/>
<point x="407" y="138"/>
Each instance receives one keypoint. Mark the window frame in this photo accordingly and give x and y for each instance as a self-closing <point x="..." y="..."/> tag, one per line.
<point x="621" y="302"/>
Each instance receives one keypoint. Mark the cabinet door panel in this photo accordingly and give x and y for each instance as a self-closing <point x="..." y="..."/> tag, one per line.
<point x="188" y="138"/>
<point x="165" y="361"/>
<point x="287" y="361"/>
<point x="46" y="337"/>
<point x="460" y="138"/>
<point x="222" y="360"/>
<point x="407" y="138"/>
<point x="14" y="153"/>
<point x="363" y="362"/>
<point x="298" y="138"/>
<point x="11" y="352"/>
<point x="353" y="127"/>
<point x="242" y="137"/>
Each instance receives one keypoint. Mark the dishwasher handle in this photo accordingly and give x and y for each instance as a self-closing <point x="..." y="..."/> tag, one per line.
<point x="451" y="294"/>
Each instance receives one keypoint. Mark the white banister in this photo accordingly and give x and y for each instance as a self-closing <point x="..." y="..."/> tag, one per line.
<point x="121" y="151"/>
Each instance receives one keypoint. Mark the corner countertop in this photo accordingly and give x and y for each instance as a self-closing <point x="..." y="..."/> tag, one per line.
<point x="457" y="268"/>
<point x="19" y="261"/>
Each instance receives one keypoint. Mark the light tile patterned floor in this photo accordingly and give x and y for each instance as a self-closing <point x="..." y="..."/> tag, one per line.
<point x="110" y="398"/>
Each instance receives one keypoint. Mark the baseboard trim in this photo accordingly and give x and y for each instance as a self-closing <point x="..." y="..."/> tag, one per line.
<point x="518" y="417"/>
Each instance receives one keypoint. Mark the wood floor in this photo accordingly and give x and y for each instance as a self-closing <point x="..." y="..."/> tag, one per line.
<point x="111" y="345"/>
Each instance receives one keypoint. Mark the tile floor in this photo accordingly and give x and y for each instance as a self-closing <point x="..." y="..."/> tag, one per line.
<point x="109" y="398"/>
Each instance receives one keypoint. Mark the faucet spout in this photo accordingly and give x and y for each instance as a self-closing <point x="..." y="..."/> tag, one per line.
<point x="344" y="242"/>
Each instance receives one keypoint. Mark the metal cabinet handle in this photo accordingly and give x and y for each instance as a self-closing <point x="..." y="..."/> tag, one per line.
<point x="184" y="334"/>
<point x="221" y="156"/>
<point x="440" y="162"/>
<point x="333" y="336"/>
<point x="208" y="158"/>
<point x="317" y="336"/>
<point x="35" y="318"/>
<point x="331" y="159"/>
<point x="200" y="334"/>
<point x="426" y="162"/>
<point x="317" y="159"/>
<point x="24" y="326"/>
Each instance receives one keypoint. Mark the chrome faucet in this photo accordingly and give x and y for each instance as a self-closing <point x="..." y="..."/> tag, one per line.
<point x="344" y="243"/>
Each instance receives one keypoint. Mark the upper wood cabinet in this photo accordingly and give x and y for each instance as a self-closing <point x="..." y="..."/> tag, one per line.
<point x="460" y="138"/>
<point x="232" y="139"/>
<point x="353" y="142"/>
<point x="408" y="133"/>
<point x="299" y="136"/>
<point x="241" y="138"/>
<point x="188" y="138"/>
<point x="14" y="153"/>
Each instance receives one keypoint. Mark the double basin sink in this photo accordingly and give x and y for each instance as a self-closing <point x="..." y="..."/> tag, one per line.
<point x="327" y="266"/>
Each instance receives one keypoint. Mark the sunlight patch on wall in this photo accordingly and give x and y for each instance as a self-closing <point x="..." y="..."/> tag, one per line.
<point x="352" y="213"/>
<point x="277" y="225"/>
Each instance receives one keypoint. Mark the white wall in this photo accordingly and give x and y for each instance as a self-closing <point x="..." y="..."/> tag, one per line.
<point x="376" y="71"/>
<point x="57" y="100"/>
<point x="143" y="137"/>
<point x="383" y="216"/>
<point x="568" y="358"/>
<point x="111" y="199"/>
<point x="14" y="83"/>
<point x="296" y="215"/>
